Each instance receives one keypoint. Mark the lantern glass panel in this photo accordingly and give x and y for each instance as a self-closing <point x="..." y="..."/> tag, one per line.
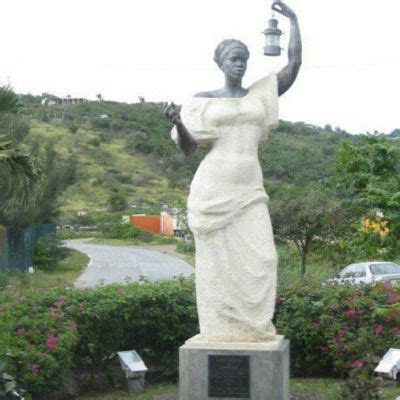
<point x="272" y="40"/>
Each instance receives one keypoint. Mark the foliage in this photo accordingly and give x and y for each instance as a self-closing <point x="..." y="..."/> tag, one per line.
<point x="143" y="162"/>
<point x="46" y="255"/>
<point x="72" y="234"/>
<point x="117" y="202"/>
<point x="73" y="128"/>
<point x="41" y="348"/>
<point x="367" y="177"/>
<point x="362" y="385"/>
<point x="69" y="266"/>
<point x="122" y="231"/>
<point x="18" y="175"/>
<point x="9" y="101"/>
<point x="8" y="385"/>
<point x="303" y="216"/>
<point x="18" y="172"/>
<point x="333" y="329"/>
<point x="56" y="175"/>
<point x="185" y="247"/>
<point x="337" y="329"/>
<point x="127" y="231"/>
<point x="82" y="328"/>
<point x="33" y="176"/>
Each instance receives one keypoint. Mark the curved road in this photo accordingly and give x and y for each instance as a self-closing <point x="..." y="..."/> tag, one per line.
<point x="122" y="264"/>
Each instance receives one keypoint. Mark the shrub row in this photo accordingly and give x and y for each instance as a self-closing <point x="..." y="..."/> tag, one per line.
<point x="333" y="329"/>
<point x="338" y="329"/>
<point x="43" y="335"/>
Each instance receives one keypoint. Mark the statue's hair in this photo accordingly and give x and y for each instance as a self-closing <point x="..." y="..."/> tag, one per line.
<point x="225" y="47"/>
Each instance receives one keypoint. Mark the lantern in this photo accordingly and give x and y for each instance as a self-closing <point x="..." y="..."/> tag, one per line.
<point x="272" y="39"/>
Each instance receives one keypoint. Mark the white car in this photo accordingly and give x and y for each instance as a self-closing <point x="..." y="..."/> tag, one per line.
<point x="370" y="273"/>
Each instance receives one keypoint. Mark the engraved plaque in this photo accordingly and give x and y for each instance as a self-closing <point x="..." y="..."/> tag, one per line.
<point x="229" y="376"/>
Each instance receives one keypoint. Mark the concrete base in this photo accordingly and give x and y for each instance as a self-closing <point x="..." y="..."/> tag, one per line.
<point x="268" y="368"/>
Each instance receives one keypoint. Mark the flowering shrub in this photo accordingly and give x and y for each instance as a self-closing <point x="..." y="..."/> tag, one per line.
<point x="379" y="227"/>
<point x="332" y="329"/>
<point x="49" y="334"/>
<point x="36" y="340"/>
<point x="339" y="328"/>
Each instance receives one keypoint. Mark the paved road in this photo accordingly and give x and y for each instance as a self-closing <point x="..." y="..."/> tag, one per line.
<point x="114" y="264"/>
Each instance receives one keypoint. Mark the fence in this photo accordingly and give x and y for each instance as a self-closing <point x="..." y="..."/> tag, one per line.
<point x="17" y="246"/>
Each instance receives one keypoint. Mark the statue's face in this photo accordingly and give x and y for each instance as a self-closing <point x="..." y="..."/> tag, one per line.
<point x="235" y="64"/>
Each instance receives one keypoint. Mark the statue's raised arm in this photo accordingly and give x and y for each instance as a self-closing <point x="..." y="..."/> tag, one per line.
<point x="288" y="74"/>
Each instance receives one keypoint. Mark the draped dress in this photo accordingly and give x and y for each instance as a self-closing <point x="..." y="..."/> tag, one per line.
<point x="236" y="259"/>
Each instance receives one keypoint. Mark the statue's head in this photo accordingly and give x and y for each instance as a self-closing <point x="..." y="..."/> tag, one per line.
<point x="231" y="55"/>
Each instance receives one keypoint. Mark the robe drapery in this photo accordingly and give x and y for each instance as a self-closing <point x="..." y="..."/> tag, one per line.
<point x="236" y="260"/>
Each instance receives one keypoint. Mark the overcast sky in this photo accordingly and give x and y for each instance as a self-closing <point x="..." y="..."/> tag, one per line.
<point x="163" y="50"/>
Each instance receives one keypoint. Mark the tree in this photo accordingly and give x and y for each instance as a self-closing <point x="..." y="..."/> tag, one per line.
<point x="368" y="179"/>
<point x="31" y="178"/>
<point x="117" y="202"/>
<point x="18" y="172"/>
<point x="303" y="215"/>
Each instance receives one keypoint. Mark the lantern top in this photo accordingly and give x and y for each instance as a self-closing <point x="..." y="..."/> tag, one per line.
<point x="273" y="23"/>
<point x="273" y="28"/>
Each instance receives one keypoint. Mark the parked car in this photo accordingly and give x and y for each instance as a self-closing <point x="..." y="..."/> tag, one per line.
<point x="369" y="273"/>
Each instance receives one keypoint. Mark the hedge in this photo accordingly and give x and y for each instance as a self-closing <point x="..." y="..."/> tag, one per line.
<point x="333" y="329"/>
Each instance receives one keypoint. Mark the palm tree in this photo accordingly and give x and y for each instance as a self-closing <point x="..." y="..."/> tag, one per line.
<point x="17" y="169"/>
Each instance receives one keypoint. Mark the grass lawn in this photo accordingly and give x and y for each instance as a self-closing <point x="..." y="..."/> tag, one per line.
<point x="148" y="394"/>
<point x="323" y="389"/>
<point x="64" y="275"/>
<point x="329" y="389"/>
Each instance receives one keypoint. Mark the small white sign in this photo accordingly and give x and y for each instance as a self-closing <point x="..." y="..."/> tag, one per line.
<point x="390" y="363"/>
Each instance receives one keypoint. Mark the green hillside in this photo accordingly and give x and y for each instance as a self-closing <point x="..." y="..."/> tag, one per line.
<point x="126" y="149"/>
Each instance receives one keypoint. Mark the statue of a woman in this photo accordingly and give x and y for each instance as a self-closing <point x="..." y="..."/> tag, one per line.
<point x="236" y="260"/>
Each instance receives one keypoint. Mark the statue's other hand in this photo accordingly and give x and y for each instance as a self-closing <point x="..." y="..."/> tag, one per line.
<point x="283" y="9"/>
<point x="171" y="112"/>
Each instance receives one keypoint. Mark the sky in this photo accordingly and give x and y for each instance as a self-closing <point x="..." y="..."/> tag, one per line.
<point x="163" y="50"/>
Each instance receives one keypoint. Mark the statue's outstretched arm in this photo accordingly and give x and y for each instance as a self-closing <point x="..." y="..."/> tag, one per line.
<point x="288" y="74"/>
<point x="185" y="140"/>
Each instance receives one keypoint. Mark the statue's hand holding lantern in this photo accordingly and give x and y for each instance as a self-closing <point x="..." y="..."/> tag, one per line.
<point x="273" y="33"/>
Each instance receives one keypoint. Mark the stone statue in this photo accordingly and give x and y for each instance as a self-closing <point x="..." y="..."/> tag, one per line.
<point x="236" y="260"/>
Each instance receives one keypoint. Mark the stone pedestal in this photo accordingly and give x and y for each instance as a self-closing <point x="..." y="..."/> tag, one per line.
<point x="213" y="370"/>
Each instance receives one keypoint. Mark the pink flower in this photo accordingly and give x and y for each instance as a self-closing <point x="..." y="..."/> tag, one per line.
<point x="81" y="306"/>
<point x="23" y="298"/>
<point x="379" y="330"/>
<point x="352" y="314"/>
<point x="74" y="326"/>
<point x="51" y="343"/>
<point x="357" y="364"/>
<point x="323" y="350"/>
<point x="58" y="316"/>
<point x="36" y="368"/>
<point x="342" y="333"/>
<point x="396" y="330"/>
<point x="394" y="298"/>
